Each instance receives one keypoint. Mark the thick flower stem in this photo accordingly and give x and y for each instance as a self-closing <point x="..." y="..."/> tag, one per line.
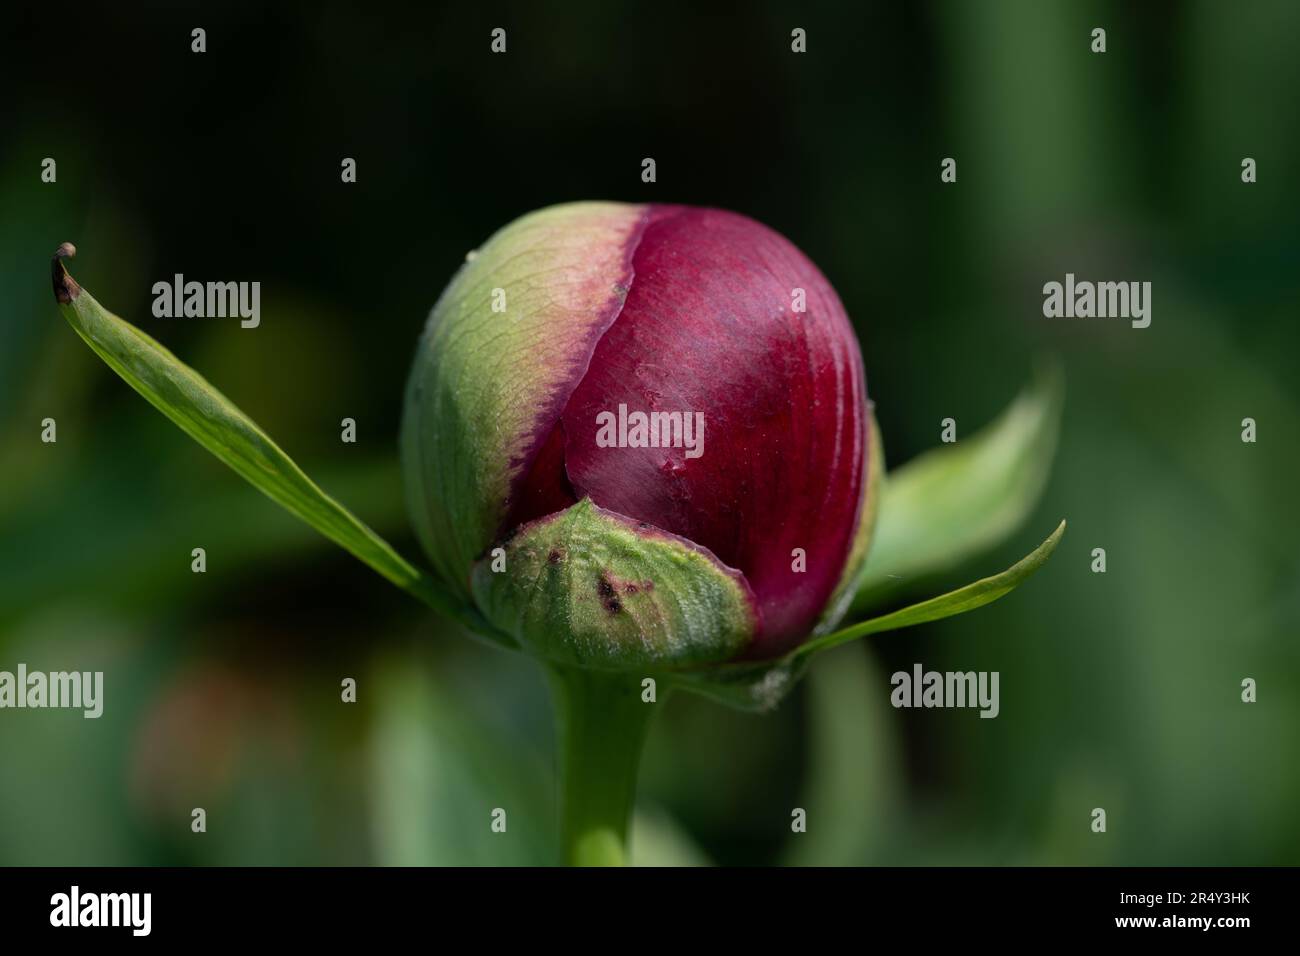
<point x="601" y="726"/>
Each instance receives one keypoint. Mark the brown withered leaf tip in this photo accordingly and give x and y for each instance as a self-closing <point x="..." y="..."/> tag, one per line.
<point x="65" y="287"/>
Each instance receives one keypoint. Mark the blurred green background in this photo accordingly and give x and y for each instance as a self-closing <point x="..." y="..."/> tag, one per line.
<point x="222" y="690"/>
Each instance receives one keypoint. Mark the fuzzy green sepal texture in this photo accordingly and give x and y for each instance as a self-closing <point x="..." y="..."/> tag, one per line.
<point x="591" y="588"/>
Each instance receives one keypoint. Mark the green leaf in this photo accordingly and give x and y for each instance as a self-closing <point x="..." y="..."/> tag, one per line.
<point x="968" y="598"/>
<point x="214" y="422"/>
<point x="958" y="500"/>
<point x="761" y="686"/>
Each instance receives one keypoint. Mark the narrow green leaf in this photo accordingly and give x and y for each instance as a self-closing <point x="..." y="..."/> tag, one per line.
<point x="958" y="500"/>
<point x="760" y="686"/>
<point x="968" y="598"/>
<point x="214" y="422"/>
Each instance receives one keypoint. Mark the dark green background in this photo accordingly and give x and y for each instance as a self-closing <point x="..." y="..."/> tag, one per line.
<point x="1118" y="690"/>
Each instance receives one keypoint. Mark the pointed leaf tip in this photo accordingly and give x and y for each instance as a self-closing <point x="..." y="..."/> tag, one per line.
<point x="963" y="599"/>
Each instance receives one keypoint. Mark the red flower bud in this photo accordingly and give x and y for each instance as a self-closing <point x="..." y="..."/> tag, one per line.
<point x="694" y="376"/>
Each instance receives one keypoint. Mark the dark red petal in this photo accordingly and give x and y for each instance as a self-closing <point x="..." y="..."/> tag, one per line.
<point x="708" y="326"/>
<point x="544" y="489"/>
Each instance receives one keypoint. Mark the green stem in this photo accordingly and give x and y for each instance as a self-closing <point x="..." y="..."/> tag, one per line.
<point x="601" y="726"/>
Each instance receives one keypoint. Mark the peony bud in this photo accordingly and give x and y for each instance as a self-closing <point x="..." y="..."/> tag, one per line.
<point x="658" y="415"/>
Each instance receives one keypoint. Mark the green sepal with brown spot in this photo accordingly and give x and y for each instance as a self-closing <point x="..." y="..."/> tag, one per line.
<point x="593" y="588"/>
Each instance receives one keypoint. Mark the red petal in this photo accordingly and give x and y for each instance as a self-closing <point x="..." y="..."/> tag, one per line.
<point x="708" y="326"/>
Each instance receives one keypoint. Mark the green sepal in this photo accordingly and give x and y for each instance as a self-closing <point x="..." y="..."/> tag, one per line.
<point x="591" y="588"/>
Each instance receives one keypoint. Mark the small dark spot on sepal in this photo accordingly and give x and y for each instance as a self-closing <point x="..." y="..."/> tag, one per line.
<point x="608" y="596"/>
